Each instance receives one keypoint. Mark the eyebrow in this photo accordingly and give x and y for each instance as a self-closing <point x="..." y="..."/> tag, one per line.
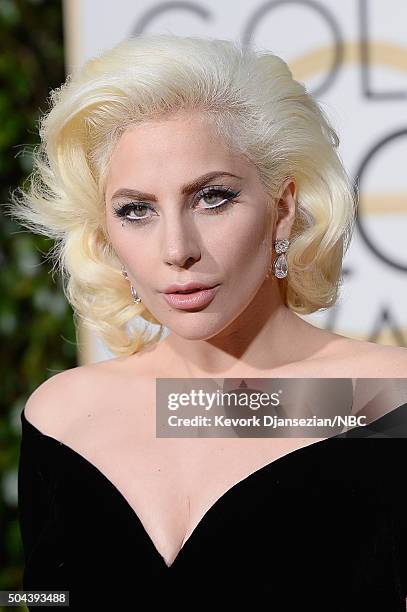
<point x="186" y="189"/>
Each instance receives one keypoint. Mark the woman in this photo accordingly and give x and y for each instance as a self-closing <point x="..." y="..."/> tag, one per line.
<point x="171" y="165"/>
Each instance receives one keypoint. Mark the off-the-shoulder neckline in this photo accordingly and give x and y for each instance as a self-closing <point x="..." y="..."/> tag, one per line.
<point x="233" y="489"/>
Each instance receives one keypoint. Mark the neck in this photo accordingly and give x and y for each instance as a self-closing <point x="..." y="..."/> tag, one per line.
<point x="266" y="335"/>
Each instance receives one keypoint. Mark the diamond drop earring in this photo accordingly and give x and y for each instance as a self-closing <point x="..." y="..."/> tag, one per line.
<point x="280" y="265"/>
<point x="136" y="298"/>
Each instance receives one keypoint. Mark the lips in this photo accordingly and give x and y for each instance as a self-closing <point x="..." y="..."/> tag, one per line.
<point x="191" y="300"/>
<point x="189" y="287"/>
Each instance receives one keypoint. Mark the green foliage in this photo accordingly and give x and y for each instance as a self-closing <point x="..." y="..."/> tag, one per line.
<point x="36" y="322"/>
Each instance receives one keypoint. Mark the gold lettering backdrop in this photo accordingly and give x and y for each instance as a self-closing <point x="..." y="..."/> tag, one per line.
<point x="352" y="56"/>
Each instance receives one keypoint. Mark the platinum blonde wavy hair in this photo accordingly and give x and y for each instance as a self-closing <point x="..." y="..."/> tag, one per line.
<point x="257" y="108"/>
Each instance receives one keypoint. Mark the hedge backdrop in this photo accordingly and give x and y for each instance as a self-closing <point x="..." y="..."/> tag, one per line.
<point x="36" y="323"/>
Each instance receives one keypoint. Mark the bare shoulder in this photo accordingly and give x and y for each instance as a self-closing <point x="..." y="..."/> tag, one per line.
<point x="68" y="395"/>
<point x="368" y="359"/>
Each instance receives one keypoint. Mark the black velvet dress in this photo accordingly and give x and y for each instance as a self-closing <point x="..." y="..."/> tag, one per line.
<point x="322" y="528"/>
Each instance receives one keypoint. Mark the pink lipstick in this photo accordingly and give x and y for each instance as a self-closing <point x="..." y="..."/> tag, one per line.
<point x="195" y="299"/>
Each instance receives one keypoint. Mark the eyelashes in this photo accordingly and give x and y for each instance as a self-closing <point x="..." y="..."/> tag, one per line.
<point x="226" y="194"/>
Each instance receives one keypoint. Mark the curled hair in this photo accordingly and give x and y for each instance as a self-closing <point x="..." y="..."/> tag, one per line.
<point x="256" y="107"/>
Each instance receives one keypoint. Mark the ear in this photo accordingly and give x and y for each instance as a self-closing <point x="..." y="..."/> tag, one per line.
<point x="285" y="209"/>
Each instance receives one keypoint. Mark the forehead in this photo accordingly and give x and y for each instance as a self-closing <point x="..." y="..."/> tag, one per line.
<point x="181" y="134"/>
<point x="179" y="147"/>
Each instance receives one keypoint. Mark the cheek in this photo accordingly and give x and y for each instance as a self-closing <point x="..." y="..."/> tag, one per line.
<point x="113" y="228"/>
<point x="120" y="237"/>
<point x="244" y="243"/>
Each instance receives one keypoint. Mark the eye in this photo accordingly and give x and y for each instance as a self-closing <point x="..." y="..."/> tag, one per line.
<point x="123" y="212"/>
<point x="213" y="193"/>
<point x="224" y="195"/>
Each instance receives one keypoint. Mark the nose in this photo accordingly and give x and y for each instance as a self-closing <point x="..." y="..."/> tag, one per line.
<point x="180" y="241"/>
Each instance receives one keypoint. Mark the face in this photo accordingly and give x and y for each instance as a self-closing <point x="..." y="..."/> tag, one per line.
<point x="181" y="207"/>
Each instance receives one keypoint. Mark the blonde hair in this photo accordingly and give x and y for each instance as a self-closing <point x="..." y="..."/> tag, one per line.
<point x="255" y="105"/>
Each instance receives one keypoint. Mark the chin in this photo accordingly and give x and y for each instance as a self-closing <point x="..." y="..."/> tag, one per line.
<point x="194" y="329"/>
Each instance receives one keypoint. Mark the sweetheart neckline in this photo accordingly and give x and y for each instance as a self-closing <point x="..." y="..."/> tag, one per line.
<point x="200" y="524"/>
